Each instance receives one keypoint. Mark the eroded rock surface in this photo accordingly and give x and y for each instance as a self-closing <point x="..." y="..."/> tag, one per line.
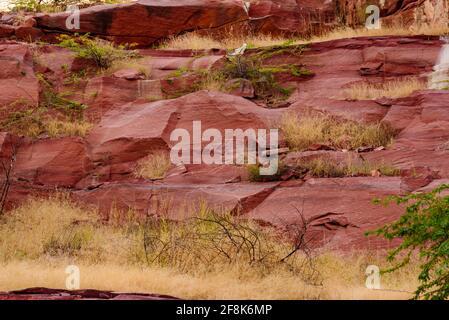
<point x="85" y="294"/>
<point x="133" y="118"/>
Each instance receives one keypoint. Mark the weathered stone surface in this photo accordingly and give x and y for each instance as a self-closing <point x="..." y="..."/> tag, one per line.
<point x="424" y="124"/>
<point x="18" y="84"/>
<point x="52" y="162"/>
<point x="6" y="30"/>
<point x="176" y="201"/>
<point x="99" y="169"/>
<point x="148" y="21"/>
<point x="134" y="131"/>
<point x="291" y="16"/>
<point x="338" y="210"/>
<point x="85" y="294"/>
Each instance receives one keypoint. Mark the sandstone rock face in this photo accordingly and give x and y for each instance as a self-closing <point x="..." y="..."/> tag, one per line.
<point x="134" y="131"/>
<point x="149" y="21"/>
<point x="425" y="132"/>
<point x="60" y="163"/>
<point x="176" y="201"/>
<point x="291" y="16"/>
<point x="18" y="82"/>
<point x="129" y="125"/>
<point x="338" y="211"/>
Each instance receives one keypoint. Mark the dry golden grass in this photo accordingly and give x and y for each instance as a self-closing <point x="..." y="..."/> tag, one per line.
<point x="391" y="89"/>
<point x="345" y="32"/>
<point x="134" y="64"/>
<point x="57" y="128"/>
<point x="155" y="166"/>
<point x="42" y="237"/>
<point x="301" y="132"/>
<point x="234" y="40"/>
<point x="344" y="279"/>
<point x="328" y="168"/>
<point x="199" y="42"/>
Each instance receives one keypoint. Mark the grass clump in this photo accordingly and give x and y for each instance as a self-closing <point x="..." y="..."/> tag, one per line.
<point x="45" y="227"/>
<point x="325" y="167"/>
<point x="301" y="132"/>
<point x="390" y="89"/>
<point x="102" y="52"/>
<point x="254" y="175"/>
<point x="155" y="166"/>
<point x="28" y="122"/>
<point x="58" y="128"/>
<point x="196" y="41"/>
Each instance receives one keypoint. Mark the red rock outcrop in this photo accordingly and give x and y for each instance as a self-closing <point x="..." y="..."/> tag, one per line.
<point x="99" y="168"/>
<point x="133" y="131"/>
<point x="149" y="21"/>
<point x="146" y="22"/>
<point x="18" y="83"/>
<point x="85" y="294"/>
<point x="52" y="162"/>
<point x="337" y="210"/>
<point x="175" y="201"/>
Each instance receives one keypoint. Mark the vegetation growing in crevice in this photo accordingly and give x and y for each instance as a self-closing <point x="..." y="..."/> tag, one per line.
<point x="153" y="167"/>
<point x="396" y="88"/>
<point x="325" y="167"/>
<point x="300" y="132"/>
<point x="263" y="78"/>
<point x="102" y="52"/>
<point x="55" y="115"/>
<point x="254" y="175"/>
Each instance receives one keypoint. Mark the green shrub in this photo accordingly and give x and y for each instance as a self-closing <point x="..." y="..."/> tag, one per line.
<point x="102" y="52"/>
<point x="424" y="228"/>
<point x="255" y="176"/>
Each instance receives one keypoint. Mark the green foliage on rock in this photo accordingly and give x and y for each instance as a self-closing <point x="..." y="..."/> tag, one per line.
<point x="102" y="52"/>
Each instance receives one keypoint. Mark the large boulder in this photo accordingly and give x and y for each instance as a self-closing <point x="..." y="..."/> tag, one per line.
<point x="52" y="162"/>
<point x="423" y="140"/>
<point x="148" y="21"/>
<point x="173" y="200"/>
<point x="133" y="131"/>
<point x="285" y="17"/>
<point x="18" y="83"/>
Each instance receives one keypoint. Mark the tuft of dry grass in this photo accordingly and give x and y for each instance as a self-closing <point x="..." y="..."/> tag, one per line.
<point x="136" y="64"/>
<point x="301" y="132"/>
<point x="58" y="128"/>
<point x="391" y="89"/>
<point x="42" y="237"/>
<point x="195" y="41"/>
<point x="324" y="167"/>
<point x="155" y="166"/>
